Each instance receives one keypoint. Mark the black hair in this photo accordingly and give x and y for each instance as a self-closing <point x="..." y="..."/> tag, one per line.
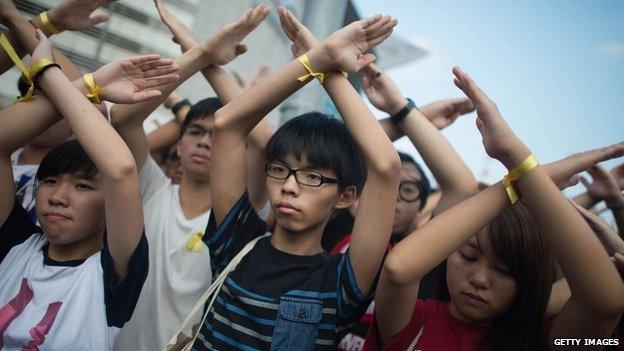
<point x="202" y="109"/>
<point x="67" y="158"/>
<point x="423" y="184"/>
<point x="325" y="142"/>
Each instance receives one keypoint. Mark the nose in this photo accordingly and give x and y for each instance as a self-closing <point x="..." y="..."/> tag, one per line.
<point x="204" y="141"/>
<point x="480" y="276"/>
<point x="290" y="186"/>
<point x="59" y="196"/>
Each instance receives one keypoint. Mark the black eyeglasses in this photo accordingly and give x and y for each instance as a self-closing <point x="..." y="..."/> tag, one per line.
<point x="409" y="191"/>
<point x="196" y="132"/>
<point x="307" y="177"/>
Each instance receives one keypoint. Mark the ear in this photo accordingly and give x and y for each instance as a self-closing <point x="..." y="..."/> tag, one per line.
<point x="346" y="198"/>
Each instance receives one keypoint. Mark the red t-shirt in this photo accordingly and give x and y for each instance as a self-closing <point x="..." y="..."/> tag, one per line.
<point x="431" y="327"/>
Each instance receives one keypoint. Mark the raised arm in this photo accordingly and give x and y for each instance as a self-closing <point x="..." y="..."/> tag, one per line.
<point x="124" y="217"/>
<point x="453" y="176"/>
<point x="69" y="15"/>
<point x="221" y="48"/>
<point x="604" y="187"/>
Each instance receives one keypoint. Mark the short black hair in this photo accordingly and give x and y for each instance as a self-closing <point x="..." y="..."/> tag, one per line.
<point x="325" y="142"/>
<point x="203" y="108"/>
<point x="424" y="183"/>
<point x="67" y="158"/>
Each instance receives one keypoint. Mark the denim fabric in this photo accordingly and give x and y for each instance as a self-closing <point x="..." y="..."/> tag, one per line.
<point x="297" y="324"/>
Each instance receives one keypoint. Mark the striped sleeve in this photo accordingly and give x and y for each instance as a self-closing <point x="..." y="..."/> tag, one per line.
<point x="352" y="303"/>
<point x="241" y="225"/>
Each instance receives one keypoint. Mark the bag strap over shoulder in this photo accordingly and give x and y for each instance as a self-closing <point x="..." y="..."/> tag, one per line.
<point x="179" y="341"/>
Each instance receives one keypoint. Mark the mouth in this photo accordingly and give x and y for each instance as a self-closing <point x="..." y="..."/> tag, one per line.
<point x="286" y="208"/>
<point x="199" y="158"/>
<point x="474" y="300"/>
<point x="55" y="217"/>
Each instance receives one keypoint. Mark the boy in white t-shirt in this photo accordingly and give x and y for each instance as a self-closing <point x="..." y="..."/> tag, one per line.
<point x="176" y="215"/>
<point x="73" y="282"/>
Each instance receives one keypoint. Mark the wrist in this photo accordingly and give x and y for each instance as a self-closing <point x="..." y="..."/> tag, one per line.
<point x="46" y="76"/>
<point x="180" y="105"/>
<point x="55" y="19"/>
<point x="395" y="105"/>
<point x="514" y="156"/>
<point x="320" y="59"/>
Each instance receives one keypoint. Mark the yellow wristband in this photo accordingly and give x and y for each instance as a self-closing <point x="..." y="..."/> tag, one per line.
<point x="516" y="173"/>
<point x="305" y="62"/>
<point x="47" y="24"/>
<point x="6" y="45"/>
<point x="94" y="90"/>
<point x="194" y="242"/>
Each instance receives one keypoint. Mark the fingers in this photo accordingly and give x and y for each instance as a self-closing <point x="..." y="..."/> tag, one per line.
<point x="160" y="80"/>
<point x="146" y="66"/>
<point x="365" y="60"/>
<point x="463" y="106"/>
<point x="377" y="24"/>
<point x="240" y="49"/>
<point x="285" y="23"/>
<point x="598" y="171"/>
<point x="99" y="18"/>
<point x="145" y="95"/>
<point x="387" y="24"/>
<point x="161" y="71"/>
<point x="137" y="60"/>
<point x="366" y="22"/>
<point x="585" y="182"/>
<point x="380" y="39"/>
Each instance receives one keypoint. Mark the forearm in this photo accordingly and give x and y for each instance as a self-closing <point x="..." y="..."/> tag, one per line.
<point x="25" y="34"/>
<point x="418" y="254"/>
<point x="392" y="129"/>
<point x="618" y="215"/>
<point x="223" y="84"/>
<point x="585" y="200"/>
<point x="164" y="136"/>
<point x="592" y="278"/>
<point x="377" y="150"/>
<point x="23" y="121"/>
<point x="190" y="63"/>
<point x="449" y="170"/>
<point x="106" y="149"/>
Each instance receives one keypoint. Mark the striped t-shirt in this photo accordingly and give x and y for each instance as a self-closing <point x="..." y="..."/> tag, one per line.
<point x="275" y="300"/>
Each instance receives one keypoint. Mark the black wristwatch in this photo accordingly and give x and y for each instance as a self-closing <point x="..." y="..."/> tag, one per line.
<point x="178" y="105"/>
<point x="399" y="116"/>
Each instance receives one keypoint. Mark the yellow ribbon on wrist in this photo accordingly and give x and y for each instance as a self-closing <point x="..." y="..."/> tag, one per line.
<point x="45" y="20"/>
<point x="516" y="173"/>
<point x="22" y="67"/>
<point x="194" y="242"/>
<point x="94" y="90"/>
<point x="305" y="62"/>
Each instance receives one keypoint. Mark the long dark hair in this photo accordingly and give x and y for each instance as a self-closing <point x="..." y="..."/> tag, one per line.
<point x="517" y="241"/>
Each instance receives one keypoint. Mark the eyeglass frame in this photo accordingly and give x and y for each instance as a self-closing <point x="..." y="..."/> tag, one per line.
<point x="202" y="132"/>
<point x="418" y="185"/>
<point x="291" y="171"/>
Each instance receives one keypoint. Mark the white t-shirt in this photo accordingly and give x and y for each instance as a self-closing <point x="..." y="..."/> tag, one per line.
<point x="177" y="276"/>
<point x="24" y="178"/>
<point x="51" y="305"/>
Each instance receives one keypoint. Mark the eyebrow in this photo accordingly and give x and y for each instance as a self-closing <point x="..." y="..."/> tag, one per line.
<point x="474" y="244"/>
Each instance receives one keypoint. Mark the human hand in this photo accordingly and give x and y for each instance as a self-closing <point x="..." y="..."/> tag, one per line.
<point x="381" y="90"/>
<point x="618" y="174"/>
<point x="597" y="224"/>
<point x="226" y="45"/>
<point x="302" y="39"/>
<point x="603" y="187"/>
<point x="132" y="80"/>
<point x="564" y="172"/>
<point x="499" y="140"/>
<point x="345" y="50"/>
<point x="444" y="112"/>
<point x="43" y="48"/>
<point x="76" y="14"/>
<point x="181" y="34"/>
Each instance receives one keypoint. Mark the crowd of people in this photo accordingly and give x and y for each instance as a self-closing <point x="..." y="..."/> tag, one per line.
<point x="219" y="231"/>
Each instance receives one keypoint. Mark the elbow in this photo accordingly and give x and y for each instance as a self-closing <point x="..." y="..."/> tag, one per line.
<point x="221" y="120"/>
<point x="123" y="171"/>
<point x="387" y="167"/>
<point x="394" y="271"/>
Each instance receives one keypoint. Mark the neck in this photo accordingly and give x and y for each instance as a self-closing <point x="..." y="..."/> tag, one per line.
<point x="33" y="155"/>
<point x="77" y="250"/>
<point x="304" y="243"/>
<point x="195" y="197"/>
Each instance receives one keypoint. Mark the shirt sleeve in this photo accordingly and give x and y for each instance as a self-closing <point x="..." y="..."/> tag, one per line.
<point x="352" y="303"/>
<point x="16" y="229"/>
<point x="121" y="296"/>
<point x="151" y="179"/>
<point x="406" y="337"/>
<point x="241" y="225"/>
